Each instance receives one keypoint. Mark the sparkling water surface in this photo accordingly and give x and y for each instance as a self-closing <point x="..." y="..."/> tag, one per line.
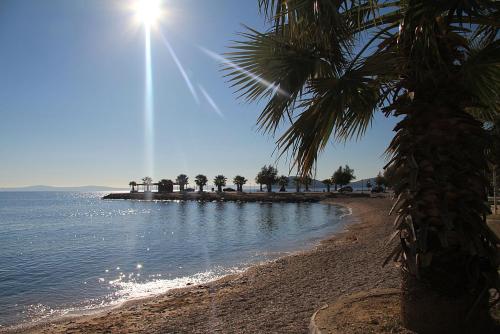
<point x="70" y="252"/>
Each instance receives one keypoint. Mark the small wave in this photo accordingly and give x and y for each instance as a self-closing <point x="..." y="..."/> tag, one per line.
<point x="348" y="213"/>
<point x="135" y="290"/>
<point x="126" y="291"/>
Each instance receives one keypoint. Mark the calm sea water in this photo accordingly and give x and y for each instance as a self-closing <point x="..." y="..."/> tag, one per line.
<point x="64" y="252"/>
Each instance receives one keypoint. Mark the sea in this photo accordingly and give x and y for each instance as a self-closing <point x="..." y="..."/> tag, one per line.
<point x="70" y="253"/>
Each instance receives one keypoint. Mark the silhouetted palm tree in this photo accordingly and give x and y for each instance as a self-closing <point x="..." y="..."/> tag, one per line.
<point x="283" y="182"/>
<point x="239" y="181"/>
<point x="220" y="181"/>
<point x="147" y="183"/>
<point x="332" y="64"/>
<point x="306" y="181"/>
<point x="201" y="181"/>
<point x="297" y="181"/>
<point x="268" y="176"/>
<point x="133" y="184"/>
<point x="182" y="181"/>
<point x="259" y="179"/>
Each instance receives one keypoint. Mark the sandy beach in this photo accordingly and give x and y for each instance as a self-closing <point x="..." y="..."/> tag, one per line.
<point x="276" y="297"/>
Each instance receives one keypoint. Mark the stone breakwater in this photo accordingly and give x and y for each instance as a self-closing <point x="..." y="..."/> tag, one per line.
<point x="232" y="196"/>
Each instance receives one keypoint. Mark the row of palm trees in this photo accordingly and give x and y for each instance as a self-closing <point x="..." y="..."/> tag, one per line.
<point x="182" y="181"/>
<point x="268" y="176"/>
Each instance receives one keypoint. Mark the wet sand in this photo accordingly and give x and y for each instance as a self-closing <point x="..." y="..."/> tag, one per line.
<point x="276" y="297"/>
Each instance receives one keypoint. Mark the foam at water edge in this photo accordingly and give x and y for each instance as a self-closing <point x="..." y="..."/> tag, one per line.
<point x="349" y="212"/>
<point x="127" y="291"/>
<point x="134" y="290"/>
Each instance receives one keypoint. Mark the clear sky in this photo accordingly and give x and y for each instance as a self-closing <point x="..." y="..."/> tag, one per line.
<point x="72" y="97"/>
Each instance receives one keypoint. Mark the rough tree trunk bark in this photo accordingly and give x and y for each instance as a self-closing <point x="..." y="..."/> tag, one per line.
<point x="495" y="190"/>
<point x="439" y="155"/>
<point x="426" y="311"/>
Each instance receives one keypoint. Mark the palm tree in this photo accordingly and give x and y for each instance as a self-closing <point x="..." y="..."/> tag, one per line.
<point x="297" y="181"/>
<point x="283" y="182"/>
<point x="133" y="184"/>
<point x="259" y="179"/>
<point x="147" y="183"/>
<point x="268" y="176"/>
<point x="220" y="181"/>
<point x="328" y="183"/>
<point x="239" y="181"/>
<point x="182" y="181"/>
<point x="494" y="158"/>
<point x="306" y="181"/>
<point x="201" y="181"/>
<point x="328" y="66"/>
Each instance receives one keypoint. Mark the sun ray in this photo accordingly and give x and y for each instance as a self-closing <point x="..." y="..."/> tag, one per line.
<point x="269" y="85"/>
<point x="211" y="101"/>
<point x="148" y="104"/>
<point x="181" y="69"/>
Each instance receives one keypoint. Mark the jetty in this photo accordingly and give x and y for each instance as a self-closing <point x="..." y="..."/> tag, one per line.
<point x="287" y="197"/>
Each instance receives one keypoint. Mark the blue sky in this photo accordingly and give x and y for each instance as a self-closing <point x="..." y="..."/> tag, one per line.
<point x="72" y="97"/>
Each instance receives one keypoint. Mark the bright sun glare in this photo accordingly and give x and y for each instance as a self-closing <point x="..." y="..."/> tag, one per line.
<point x="148" y="12"/>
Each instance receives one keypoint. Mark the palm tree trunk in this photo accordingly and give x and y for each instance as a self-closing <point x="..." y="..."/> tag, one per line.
<point x="495" y="190"/>
<point x="440" y="153"/>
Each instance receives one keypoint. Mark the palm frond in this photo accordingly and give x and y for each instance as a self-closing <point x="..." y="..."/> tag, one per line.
<point x="338" y="107"/>
<point x="481" y="75"/>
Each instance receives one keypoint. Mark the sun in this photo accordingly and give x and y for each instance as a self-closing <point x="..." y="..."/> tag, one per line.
<point x="148" y="12"/>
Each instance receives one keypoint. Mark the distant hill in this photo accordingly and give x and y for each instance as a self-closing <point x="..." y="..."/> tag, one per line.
<point x="357" y="184"/>
<point x="354" y="184"/>
<point x="51" y="188"/>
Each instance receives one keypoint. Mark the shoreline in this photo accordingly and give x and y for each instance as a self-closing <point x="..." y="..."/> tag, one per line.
<point x="179" y="298"/>
<point x="81" y="314"/>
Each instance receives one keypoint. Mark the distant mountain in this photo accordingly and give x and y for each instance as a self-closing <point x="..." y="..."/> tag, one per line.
<point x="359" y="183"/>
<point x="319" y="184"/>
<point x="51" y="188"/>
<point x="315" y="183"/>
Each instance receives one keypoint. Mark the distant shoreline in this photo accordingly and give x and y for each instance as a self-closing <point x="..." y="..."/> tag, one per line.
<point x="286" y="197"/>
